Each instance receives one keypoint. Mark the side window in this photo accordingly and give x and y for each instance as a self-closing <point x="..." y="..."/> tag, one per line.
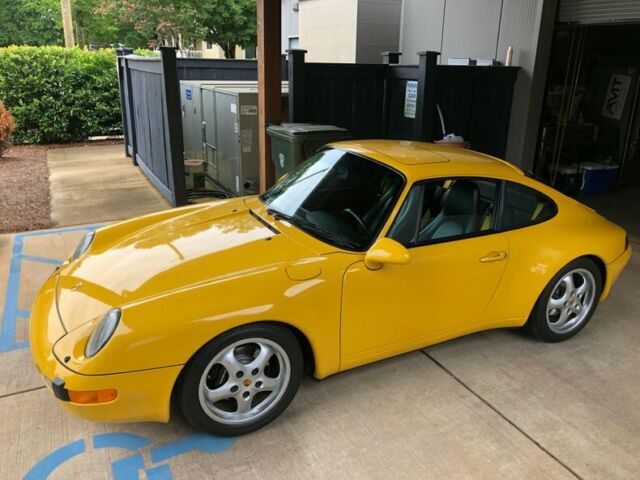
<point x="524" y="206"/>
<point x="442" y="209"/>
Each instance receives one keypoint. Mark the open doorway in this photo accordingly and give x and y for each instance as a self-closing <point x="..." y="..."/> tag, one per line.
<point x="590" y="129"/>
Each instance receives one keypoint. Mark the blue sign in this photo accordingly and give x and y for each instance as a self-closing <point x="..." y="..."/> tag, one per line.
<point x="188" y="94"/>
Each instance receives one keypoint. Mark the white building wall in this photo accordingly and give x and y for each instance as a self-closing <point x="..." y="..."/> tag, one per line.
<point x="485" y="29"/>
<point x="421" y="28"/>
<point x="348" y="31"/>
<point x="289" y="23"/>
<point x="328" y="29"/>
<point x="378" y="29"/>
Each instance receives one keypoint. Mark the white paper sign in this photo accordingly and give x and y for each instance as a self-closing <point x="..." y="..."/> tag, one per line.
<point x="616" y="96"/>
<point x="248" y="110"/>
<point x="410" y="99"/>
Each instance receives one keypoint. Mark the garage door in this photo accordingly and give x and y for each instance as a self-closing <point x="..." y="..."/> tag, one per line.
<point x="598" y="11"/>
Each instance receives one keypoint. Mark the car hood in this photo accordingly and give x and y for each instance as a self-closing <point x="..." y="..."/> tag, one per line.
<point x="200" y="245"/>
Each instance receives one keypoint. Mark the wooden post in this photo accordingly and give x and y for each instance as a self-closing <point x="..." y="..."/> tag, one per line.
<point x="269" y="83"/>
<point x="426" y="101"/>
<point x="295" y="62"/>
<point x="67" y="23"/>
<point x="120" y="53"/>
<point x="173" y="125"/>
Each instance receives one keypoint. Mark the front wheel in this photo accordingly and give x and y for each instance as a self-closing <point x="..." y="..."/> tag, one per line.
<point x="568" y="302"/>
<point x="242" y="380"/>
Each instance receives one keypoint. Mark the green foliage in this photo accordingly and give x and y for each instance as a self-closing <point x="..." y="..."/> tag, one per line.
<point x="182" y="22"/>
<point x="145" y="52"/>
<point x="229" y="23"/>
<point x="30" y="22"/>
<point x="59" y="95"/>
<point x="39" y="22"/>
<point x="97" y="22"/>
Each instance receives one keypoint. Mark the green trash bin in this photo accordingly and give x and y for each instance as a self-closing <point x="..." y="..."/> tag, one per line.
<point x="293" y="143"/>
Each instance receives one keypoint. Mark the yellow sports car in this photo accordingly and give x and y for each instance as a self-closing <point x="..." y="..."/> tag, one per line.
<point x="368" y="249"/>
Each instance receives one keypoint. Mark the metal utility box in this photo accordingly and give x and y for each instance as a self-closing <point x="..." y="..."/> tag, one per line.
<point x="196" y="97"/>
<point x="191" y="105"/>
<point x="231" y="136"/>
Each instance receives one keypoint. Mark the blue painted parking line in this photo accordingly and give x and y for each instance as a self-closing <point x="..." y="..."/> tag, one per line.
<point x="11" y="311"/>
<point x="129" y="468"/>
<point x="48" y="464"/>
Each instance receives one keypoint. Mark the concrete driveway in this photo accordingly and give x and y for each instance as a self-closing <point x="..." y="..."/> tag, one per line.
<point x="490" y="405"/>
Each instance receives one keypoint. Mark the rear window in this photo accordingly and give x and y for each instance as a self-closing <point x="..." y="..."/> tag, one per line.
<point x="525" y="206"/>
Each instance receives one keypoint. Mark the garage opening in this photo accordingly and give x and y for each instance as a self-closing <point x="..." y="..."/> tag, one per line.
<point x="590" y="127"/>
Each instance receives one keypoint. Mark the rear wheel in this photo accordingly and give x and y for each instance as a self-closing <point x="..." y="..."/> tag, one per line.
<point x="568" y="301"/>
<point x="242" y="380"/>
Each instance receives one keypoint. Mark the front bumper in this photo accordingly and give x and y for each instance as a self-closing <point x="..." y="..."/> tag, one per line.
<point x="141" y="396"/>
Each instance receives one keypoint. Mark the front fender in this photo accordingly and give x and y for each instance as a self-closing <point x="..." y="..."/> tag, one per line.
<point x="168" y="329"/>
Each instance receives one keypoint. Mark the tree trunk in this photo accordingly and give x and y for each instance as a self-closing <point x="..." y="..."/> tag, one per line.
<point x="229" y="50"/>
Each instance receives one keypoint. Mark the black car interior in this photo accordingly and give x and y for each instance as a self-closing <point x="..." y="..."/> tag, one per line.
<point x="353" y="199"/>
<point x="445" y="208"/>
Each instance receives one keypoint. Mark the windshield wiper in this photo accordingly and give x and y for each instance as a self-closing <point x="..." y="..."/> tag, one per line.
<point x="308" y="226"/>
<point x="329" y="235"/>
<point x="279" y="215"/>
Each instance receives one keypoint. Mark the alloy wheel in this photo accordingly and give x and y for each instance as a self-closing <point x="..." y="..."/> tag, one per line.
<point x="571" y="301"/>
<point x="244" y="381"/>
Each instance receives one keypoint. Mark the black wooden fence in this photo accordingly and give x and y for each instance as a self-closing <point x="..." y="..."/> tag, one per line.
<point x="372" y="101"/>
<point x="150" y="106"/>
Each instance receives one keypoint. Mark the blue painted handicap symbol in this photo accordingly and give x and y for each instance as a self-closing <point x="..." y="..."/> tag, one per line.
<point x="129" y="468"/>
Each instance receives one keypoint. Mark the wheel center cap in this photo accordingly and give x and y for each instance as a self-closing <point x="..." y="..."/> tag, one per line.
<point x="246" y="382"/>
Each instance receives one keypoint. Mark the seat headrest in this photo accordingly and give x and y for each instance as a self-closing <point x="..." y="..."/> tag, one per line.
<point x="462" y="198"/>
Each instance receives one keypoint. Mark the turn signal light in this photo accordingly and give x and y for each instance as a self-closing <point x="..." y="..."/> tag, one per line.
<point x="93" y="396"/>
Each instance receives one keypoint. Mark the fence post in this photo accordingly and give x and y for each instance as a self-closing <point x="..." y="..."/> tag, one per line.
<point x="426" y="99"/>
<point x="389" y="58"/>
<point x="121" y="52"/>
<point x="297" y="101"/>
<point x="173" y="125"/>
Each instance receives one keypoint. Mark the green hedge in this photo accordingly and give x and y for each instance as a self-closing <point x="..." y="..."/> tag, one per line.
<point x="60" y="95"/>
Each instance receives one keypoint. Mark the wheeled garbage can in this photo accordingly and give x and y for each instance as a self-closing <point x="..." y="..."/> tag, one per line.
<point x="293" y="143"/>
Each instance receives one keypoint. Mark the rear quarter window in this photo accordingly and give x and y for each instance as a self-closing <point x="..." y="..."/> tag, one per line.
<point x="525" y="206"/>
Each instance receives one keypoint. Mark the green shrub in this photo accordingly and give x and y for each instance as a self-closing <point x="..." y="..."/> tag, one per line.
<point x="145" y="52"/>
<point x="60" y="95"/>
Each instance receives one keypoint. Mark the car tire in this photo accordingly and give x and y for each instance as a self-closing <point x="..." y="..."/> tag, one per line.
<point x="567" y="302"/>
<point x="241" y="380"/>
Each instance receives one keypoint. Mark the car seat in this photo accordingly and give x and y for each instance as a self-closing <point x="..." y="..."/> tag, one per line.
<point x="459" y="214"/>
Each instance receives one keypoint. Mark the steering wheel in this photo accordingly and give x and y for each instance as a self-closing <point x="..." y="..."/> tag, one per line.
<point x="347" y="212"/>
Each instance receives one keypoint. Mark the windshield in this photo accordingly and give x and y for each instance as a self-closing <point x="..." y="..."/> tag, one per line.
<point x="338" y="197"/>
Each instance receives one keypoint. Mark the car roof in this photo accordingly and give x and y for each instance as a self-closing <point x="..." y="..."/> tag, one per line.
<point x="423" y="160"/>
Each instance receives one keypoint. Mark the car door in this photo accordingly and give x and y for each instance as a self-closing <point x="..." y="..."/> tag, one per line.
<point x="457" y="260"/>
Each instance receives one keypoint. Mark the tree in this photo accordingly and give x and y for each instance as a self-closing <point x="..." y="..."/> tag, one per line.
<point x="182" y="22"/>
<point x="229" y="23"/>
<point x="30" y="22"/>
<point x="39" y="22"/>
<point x="100" y="23"/>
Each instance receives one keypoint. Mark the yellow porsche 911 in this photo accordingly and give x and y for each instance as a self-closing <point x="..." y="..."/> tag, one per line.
<point x="368" y="249"/>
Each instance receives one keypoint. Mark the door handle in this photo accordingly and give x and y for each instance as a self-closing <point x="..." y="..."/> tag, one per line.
<point x="494" y="257"/>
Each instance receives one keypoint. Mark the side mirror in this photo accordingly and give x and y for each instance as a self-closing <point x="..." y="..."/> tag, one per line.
<point x="386" y="251"/>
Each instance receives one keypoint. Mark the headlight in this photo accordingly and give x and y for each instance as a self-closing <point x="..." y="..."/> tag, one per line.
<point x="83" y="246"/>
<point x="103" y="332"/>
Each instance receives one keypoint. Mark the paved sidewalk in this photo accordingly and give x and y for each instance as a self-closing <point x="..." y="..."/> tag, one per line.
<point x="491" y="405"/>
<point x="95" y="184"/>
